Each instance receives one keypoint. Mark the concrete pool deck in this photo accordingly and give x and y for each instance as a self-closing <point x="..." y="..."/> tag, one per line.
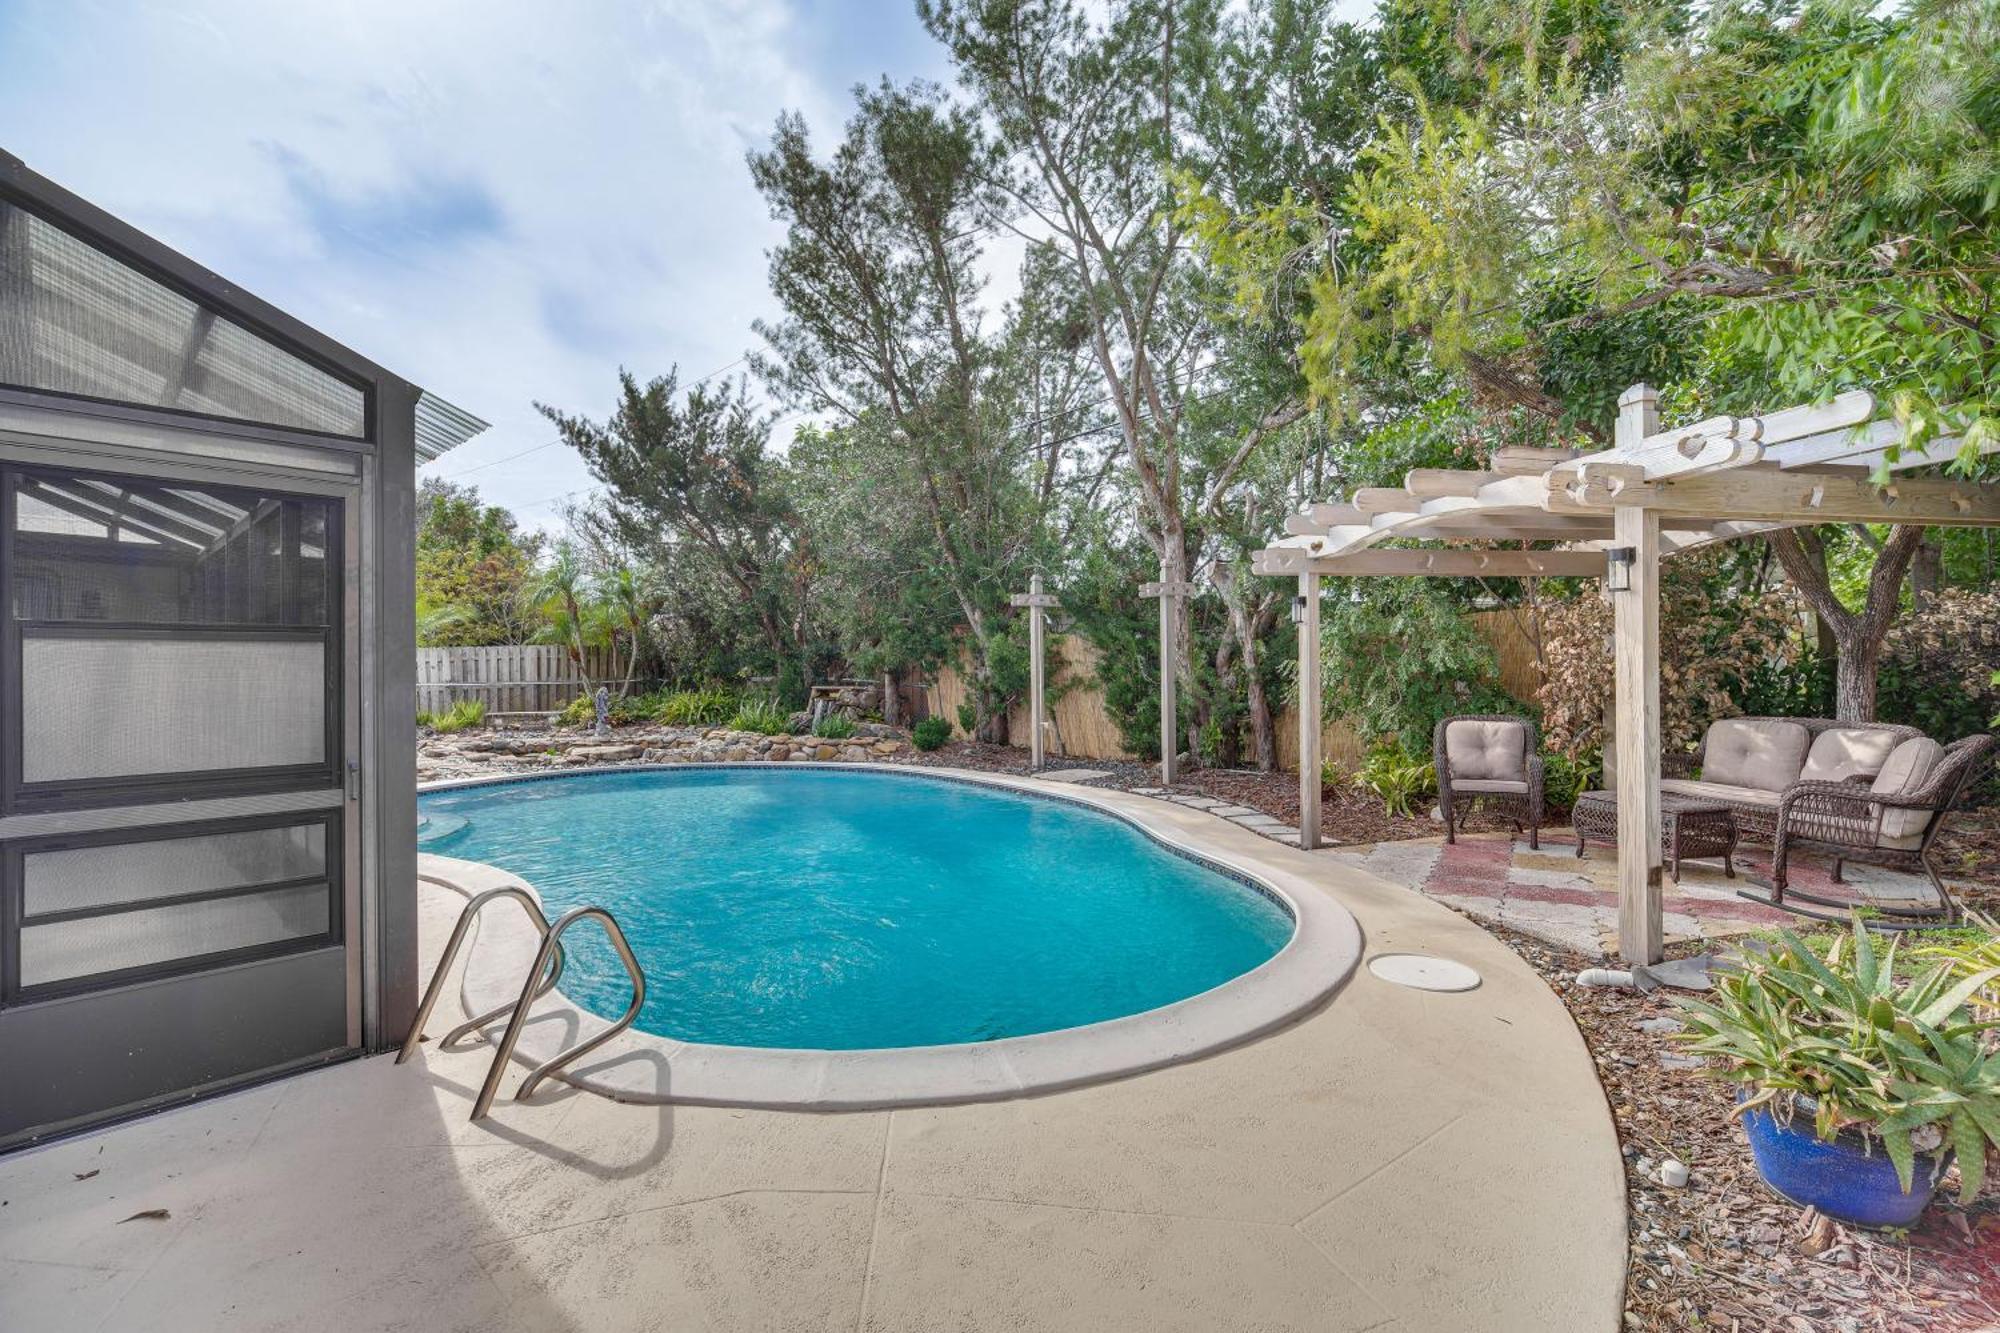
<point x="1393" y="1159"/>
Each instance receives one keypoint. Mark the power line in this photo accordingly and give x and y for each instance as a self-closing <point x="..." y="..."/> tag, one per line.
<point x="477" y="467"/>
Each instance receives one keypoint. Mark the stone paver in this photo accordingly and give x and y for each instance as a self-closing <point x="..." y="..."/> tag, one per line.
<point x="1073" y="775"/>
<point x="1553" y="895"/>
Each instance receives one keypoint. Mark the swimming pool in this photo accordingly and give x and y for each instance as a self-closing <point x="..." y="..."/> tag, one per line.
<point x="843" y="909"/>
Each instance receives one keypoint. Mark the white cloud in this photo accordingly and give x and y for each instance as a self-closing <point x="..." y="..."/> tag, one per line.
<point x="504" y="201"/>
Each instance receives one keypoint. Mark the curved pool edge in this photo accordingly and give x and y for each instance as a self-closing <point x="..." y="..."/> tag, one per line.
<point x="1323" y="951"/>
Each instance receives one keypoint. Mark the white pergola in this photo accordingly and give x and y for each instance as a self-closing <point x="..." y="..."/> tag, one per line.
<point x="1616" y="513"/>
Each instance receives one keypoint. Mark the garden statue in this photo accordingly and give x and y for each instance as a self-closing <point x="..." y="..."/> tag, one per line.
<point x="603" y="729"/>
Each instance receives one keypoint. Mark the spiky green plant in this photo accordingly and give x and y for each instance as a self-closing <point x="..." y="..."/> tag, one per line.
<point x="1398" y="779"/>
<point x="690" y="708"/>
<point x="460" y="716"/>
<point x="835" y="727"/>
<point x="763" y="716"/>
<point x="1866" y="1052"/>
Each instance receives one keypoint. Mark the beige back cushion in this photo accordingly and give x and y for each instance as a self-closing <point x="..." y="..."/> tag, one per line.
<point x="1909" y="767"/>
<point x="1765" y="753"/>
<point x="1486" y="750"/>
<point x="1840" y="754"/>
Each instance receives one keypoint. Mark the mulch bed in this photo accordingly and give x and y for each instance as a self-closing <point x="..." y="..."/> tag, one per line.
<point x="1347" y="815"/>
<point x="1724" y="1252"/>
<point x="1727" y="1253"/>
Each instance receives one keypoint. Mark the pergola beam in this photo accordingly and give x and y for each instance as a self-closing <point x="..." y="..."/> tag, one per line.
<point x="1772" y="495"/>
<point x="1439" y="564"/>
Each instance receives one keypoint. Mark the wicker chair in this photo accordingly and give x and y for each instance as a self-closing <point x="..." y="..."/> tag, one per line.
<point x="1880" y="826"/>
<point x="1499" y="763"/>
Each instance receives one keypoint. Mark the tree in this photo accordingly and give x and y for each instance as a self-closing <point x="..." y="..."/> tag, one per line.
<point x="883" y="329"/>
<point x="1088" y="115"/>
<point x="1748" y="207"/>
<point x="572" y="617"/>
<point x="628" y="598"/>
<point x="473" y="567"/>
<point x="696" y="469"/>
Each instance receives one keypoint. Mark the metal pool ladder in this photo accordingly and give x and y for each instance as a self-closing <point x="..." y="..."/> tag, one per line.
<point x="549" y="959"/>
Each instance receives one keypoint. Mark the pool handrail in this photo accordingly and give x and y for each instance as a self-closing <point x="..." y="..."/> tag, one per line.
<point x="551" y="942"/>
<point x="471" y="911"/>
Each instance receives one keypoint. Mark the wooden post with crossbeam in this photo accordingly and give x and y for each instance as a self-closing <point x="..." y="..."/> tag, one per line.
<point x="1037" y="602"/>
<point x="1309" y="711"/>
<point x="1636" y="640"/>
<point x="1170" y="593"/>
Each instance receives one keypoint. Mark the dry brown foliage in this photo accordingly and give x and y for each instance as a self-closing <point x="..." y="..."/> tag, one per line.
<point x="1712" y="634"/>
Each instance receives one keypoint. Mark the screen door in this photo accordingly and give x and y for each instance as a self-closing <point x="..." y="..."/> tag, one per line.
<point x="174" y="888"/>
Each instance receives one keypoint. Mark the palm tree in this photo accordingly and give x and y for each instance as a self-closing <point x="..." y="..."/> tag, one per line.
<point x="567" y="584"/>
<point x="627" y="598"/>
<point x="434" y="621"/>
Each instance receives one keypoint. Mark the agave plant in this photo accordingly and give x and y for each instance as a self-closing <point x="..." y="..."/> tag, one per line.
<point x="1865" y="1051"/>
<point x="1973" y="951"/>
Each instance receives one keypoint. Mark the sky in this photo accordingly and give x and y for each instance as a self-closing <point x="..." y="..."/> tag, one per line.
<point x="502" y="200"/>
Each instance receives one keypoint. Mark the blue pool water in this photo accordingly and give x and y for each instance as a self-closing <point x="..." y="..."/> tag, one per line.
<point x="846" y="910"/>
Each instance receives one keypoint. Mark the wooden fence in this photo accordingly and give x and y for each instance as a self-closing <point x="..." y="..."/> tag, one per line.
<point x="1084" y="729"/>
<point x="508" y="678"/>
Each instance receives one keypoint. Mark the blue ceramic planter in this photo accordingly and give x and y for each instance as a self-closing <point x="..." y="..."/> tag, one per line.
<point x="1841" y="1179"/>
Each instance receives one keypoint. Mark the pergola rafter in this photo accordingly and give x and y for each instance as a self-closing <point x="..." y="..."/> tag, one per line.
<point x="1616" y="513"/>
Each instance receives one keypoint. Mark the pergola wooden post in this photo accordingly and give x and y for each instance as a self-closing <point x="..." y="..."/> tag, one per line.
<point x="1037" y="602"/>
<point x="1309" y="714"/>
<point x="1170" y="593"/>
<point x="1636" y="672"/>
<point x="1620" y="511"/>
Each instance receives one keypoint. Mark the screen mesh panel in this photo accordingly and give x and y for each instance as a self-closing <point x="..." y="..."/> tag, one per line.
<point x="75" y="320"/>
<point x="69" y="878"/>
<point x="180" y="705"/>
<point x="65" y="950"/>
<point x="131" y="551"/>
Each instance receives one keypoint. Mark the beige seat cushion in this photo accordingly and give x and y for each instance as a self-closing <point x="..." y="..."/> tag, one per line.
<point x="1762" y="753"/>
<point x="1842" y="754"/>
<point x="1488" y="751"/>
<point x="1476" y="785"/>
<point x="1720" y="791"/>
<point x="1909" y="767"/>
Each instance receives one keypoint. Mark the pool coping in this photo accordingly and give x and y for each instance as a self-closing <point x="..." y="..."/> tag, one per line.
<point x="1322" y="953"/>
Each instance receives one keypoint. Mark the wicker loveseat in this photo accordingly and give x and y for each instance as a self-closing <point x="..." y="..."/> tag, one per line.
<point x="1891" y="822"/>
<point x="1749" y="763"/>
<point x="1493" y="759"/>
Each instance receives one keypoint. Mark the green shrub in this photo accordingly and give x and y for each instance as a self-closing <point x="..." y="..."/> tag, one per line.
<point x="834" y="727"/>
<point x="968" y="718"/>
<point x="930" y="733"/>
<point x="578" y="712"/>
<point x="1564" y="779"/>
<point x="1847" y="1040"/>
<point x="762" y="716"/>
<point x="1398" y="779"/>
<point x="464" y="714"/>
<point x="1398" y="655"/>
<point x="695" y="708"/>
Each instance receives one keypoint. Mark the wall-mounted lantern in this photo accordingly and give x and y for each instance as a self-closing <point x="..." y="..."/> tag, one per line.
<point x="1618" y="568"/>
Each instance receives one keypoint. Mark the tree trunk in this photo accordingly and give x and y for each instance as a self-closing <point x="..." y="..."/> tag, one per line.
<point x="1857" y="636"/>
<point x="631" y="665"/>
<point x="892" y="700"/>
<point x="1228" y="745"/>
<point x="1926" y="574"/>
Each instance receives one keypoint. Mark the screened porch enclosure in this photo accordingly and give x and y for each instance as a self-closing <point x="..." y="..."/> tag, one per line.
<point x="207" y="838"/>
